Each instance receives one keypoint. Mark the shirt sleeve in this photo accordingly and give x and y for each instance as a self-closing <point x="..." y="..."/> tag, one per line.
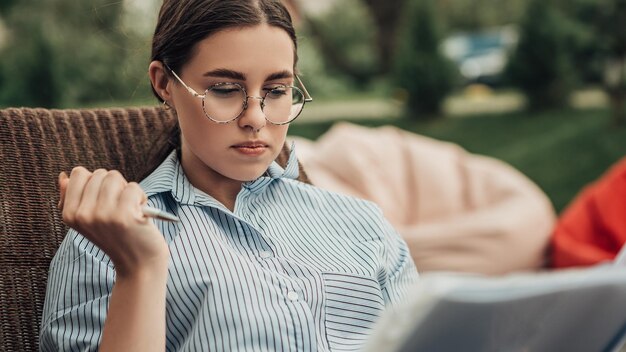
<point x="80" y="282"/>
<point x="400" y="272"/>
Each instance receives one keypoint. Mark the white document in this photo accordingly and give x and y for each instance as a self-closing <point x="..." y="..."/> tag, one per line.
<point x="567" y="310"/>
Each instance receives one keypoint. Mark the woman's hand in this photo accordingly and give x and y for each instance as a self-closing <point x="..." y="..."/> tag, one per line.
<point x="106" y="209"/>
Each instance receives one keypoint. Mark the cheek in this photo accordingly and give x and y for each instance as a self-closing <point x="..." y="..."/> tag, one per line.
<point x="202" y="135"/>
<point x="278" y="131"/>
<point x="279" y="134"/>
<point x="190" y="114"/>
<point x="197" y="130"/>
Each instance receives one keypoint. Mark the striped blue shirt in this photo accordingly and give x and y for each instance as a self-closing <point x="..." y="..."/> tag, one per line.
<point x="292" y="268"/>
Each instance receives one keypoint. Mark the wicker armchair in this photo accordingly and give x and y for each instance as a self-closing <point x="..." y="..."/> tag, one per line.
<point x="35" y="145"/>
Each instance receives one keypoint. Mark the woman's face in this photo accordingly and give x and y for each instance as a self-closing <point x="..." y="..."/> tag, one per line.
<point x="257" y="58"/>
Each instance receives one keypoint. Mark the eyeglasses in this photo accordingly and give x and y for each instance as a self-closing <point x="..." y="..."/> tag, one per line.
<point x="225" y="102"/>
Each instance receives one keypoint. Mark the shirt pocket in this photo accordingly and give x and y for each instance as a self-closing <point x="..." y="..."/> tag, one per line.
<point x="353" y="305"/>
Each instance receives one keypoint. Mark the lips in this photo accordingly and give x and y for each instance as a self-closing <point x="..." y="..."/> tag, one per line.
<point x="251" y="148"/>
<point x="251" y="144"/>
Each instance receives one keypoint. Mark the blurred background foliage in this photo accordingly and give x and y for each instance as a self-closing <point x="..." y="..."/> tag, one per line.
<point x="420" y="68"/>
<point x="542" y="63"/>
<point x="61" y="53"/>
<point x="540" y="84"/>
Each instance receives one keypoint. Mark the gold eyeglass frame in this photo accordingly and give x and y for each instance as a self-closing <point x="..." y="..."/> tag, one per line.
<point x="303" y="91"/>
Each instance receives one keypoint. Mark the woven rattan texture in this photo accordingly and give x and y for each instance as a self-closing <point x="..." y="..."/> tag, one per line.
<point x="35" y="145"/>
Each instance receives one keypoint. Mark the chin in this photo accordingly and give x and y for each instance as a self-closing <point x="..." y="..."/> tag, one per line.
<point x="246" y="171"/>
<point x="249" y="176"/>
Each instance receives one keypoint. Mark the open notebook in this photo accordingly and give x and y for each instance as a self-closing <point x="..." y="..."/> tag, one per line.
<point x="568" y="310"/>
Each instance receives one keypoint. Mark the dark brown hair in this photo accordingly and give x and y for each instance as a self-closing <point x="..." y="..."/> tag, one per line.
<point x="184" y="23"/>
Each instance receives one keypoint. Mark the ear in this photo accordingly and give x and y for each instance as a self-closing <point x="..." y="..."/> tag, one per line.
<point x="161" y="81"/>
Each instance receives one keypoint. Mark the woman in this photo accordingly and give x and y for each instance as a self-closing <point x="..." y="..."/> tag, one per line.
<point x="258" y="261"/>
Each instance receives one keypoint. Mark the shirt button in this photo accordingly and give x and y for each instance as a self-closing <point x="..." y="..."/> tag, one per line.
<point x="265" y="254"/>
<point x="292" y="296"/>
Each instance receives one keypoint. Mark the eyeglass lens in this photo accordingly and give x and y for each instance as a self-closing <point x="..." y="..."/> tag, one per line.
<point x="225" y="102"/>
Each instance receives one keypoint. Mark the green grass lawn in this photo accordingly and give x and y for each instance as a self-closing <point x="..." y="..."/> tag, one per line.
<point x="561" y="151"/>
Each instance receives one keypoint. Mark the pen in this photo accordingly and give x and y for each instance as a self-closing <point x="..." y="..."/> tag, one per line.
<point x="158" y="214"/>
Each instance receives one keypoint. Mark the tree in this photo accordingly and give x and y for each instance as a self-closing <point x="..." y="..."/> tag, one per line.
<point x="26" y="80"/>
<point x="27" y="67"/>
<point x="456" y="14"/>
<point x="386" y="14"/>
<point x="90" y="49"/>
<point x="421" y="69"/>
<point x="541" y="65"/>
<point x="599" y="47"/>
<point x="5" y="5"/>
<point x="63" y="52"/>
<point x="586" y="49"/>
<point x="373" y="27"/>
<point x="611" y="31"/>
<point x="346" y="36"/>
<point x="476" y="15"/>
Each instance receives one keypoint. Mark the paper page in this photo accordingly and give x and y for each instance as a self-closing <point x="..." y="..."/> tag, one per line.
<point x="568" y="310"/>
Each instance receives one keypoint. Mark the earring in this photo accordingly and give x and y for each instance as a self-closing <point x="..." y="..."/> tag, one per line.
<point x="166" y="106"/>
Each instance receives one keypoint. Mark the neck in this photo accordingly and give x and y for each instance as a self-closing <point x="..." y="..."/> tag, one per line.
<point x="223" y="189"/>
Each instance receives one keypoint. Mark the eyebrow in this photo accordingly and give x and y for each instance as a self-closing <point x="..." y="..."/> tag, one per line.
<point x="279" y="75"/>
<point x="226" y="73"/>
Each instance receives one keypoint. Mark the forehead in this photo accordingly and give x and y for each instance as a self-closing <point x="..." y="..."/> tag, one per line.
<point x="254" y="50"/>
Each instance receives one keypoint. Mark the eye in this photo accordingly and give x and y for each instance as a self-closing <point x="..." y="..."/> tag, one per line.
<point x="277" y="92"/>
<point x="225" y="90"/>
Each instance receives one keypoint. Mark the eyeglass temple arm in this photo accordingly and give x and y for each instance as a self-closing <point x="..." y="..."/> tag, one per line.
<point x="189" y="89"/>
<point x="307" y="96"/>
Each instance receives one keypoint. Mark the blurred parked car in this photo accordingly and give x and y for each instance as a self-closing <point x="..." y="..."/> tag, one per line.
<point x="481" y="56"/>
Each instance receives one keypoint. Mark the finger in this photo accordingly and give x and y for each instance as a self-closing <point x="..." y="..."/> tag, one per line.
<point x="112" y="186"/>
<point x="132" y="198"/>
<point x="63" y="181"/>
<point x="74" y="191"/>
<point x="89" y="201"/>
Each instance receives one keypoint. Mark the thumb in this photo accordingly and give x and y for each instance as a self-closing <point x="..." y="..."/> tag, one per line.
<point x="63" y="182"/>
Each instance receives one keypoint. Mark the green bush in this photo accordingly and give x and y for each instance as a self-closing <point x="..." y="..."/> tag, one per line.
<point x="346" y="37"/>
<point x="27" y="73"/>
<point x="420" y="67"/>
<point x="542" y="64"/>
<point x="476" y="15"/>
<point x="68" y="53"/>
<point x="320" y="81"/>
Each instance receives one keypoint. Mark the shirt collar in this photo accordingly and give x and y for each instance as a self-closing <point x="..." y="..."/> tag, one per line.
<point x="275" y="171"/>
<point x="170" y="177"/>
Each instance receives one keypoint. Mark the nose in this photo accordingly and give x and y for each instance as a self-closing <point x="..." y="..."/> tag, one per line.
<point x="252" y="117"/>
